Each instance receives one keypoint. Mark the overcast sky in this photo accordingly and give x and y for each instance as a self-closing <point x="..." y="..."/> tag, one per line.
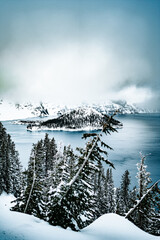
<point x="76" y="51"/>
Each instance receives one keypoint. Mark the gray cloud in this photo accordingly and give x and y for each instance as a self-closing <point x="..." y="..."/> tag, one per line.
<point x="81" y="52"/>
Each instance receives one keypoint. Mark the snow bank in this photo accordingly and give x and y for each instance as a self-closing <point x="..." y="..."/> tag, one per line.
<point x="114" y="227"/>
<point x="19" y="226"/>
<point x="84" y="129"/>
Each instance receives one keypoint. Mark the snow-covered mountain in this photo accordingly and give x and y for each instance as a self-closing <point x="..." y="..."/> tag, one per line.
<point x="85" y="118"/>
<point x="122" y="106"/>
<point x="20" y="226"/>
<point x="11" y="111"/>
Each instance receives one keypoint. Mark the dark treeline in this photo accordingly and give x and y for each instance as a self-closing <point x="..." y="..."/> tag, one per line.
<point x="55" y="187"/>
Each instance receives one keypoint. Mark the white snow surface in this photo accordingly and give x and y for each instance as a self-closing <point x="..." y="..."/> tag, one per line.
<point x="19" y="226"/>
<point x="41" y="128"/>
<point x="12" y="111"/>
<point x="8" y="111"/>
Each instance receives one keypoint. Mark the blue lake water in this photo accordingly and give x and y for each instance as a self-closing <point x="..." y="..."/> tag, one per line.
<point x="140" y="133"/>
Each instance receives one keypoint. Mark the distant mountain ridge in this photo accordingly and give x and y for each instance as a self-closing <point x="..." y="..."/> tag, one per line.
<point x="12" y="111"/>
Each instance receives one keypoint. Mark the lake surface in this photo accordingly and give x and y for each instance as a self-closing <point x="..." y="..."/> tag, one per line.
<point x="140" y="133"/>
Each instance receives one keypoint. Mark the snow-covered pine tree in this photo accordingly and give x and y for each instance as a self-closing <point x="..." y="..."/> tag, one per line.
<point x="99" y="191"/>
<point x="73" y="199"/>
<point x="50" y="151"/>
<point x="85" y="189"/>
<point x="50" y="165"/>
<point x="110" y="197"/>
<point x="41" y="165"/>
<point x="133" y="196"/>
<point x="65" y="170"/>
<point x="118" y="201"/>
<point x="67" y="179"/>
<point x="143" y="181"/>
<point x="143" y="176"/>
<point x="154" y="216"/>
<point x="10" y="167"/>
<point x="71" y="160"/>
<point x="15" y="170"/>
<point x="31" y="199"/>
<point x="124" y="194"/>
<point x="70" y="210"/>
<point x="146" y="212"/>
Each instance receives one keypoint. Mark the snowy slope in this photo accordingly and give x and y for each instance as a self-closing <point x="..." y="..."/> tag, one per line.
<point x="20" y="226"/>
<point x="9" y="111"/>
<point x="122" y="106"/>
<point x="12" y="111"/>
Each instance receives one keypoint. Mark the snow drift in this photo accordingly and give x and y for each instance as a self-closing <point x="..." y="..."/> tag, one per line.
<point x="19" y="226"/>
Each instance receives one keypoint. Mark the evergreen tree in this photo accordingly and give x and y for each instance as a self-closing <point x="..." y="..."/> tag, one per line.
<point x="15" y="171"/>
<point x="110" y="193"/>
<point x="69" y="210"/>
<point x="65" y="169"/>
<point x="143" y="176"/>
<point x="124" y="194"/>
<point x="60" y="186"/>
<point x="99" y="191"/>
<point x="73" y="199"/>
<point x="50" y="151"/>
<point x="133" y="196"/>
<point x="146" y="212"/>
<point x="143" y="181"/>
<point x="34" y="199"/>
<point x="31" y="200"/>
<point x="119" y="204"/>
<point x="10" y="167"/>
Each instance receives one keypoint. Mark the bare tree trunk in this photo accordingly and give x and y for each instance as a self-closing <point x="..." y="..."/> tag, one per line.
<point x="141" y="177"/>
<point x="87" y="158"/>
<point x="139" y="202"/>
<point x="34" y="178"/>
<point x="84" y="163"/>
<point x="73" y="180"/>
<point x="141" y="188"/>
<point x="69" y="185"/>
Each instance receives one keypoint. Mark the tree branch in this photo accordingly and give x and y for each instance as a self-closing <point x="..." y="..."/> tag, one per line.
<point x="143" y="197"/>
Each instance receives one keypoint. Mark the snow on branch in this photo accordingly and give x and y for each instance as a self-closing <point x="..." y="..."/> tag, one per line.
<point x="139" y="201"/>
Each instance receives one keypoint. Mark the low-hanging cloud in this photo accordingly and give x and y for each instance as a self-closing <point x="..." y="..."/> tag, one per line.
<point x="65" y="58"/>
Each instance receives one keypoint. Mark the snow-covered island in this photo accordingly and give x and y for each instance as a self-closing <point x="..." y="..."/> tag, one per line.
<point x="80" y="119"/>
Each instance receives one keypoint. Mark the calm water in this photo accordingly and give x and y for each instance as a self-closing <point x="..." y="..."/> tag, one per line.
<point x="140" y="133"/>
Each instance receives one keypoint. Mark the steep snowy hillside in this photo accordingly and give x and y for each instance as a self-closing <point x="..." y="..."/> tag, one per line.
<point x="11" y="111"/>
<point x="122" y="106"/>
<point x="78" y="119"/>
<point x="19" y="226"/>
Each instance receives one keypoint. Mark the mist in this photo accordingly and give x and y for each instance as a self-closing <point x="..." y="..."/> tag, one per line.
<point x="80" y="53"/>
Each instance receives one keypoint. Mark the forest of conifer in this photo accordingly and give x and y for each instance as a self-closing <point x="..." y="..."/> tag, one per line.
<point x="73" y="188"/>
